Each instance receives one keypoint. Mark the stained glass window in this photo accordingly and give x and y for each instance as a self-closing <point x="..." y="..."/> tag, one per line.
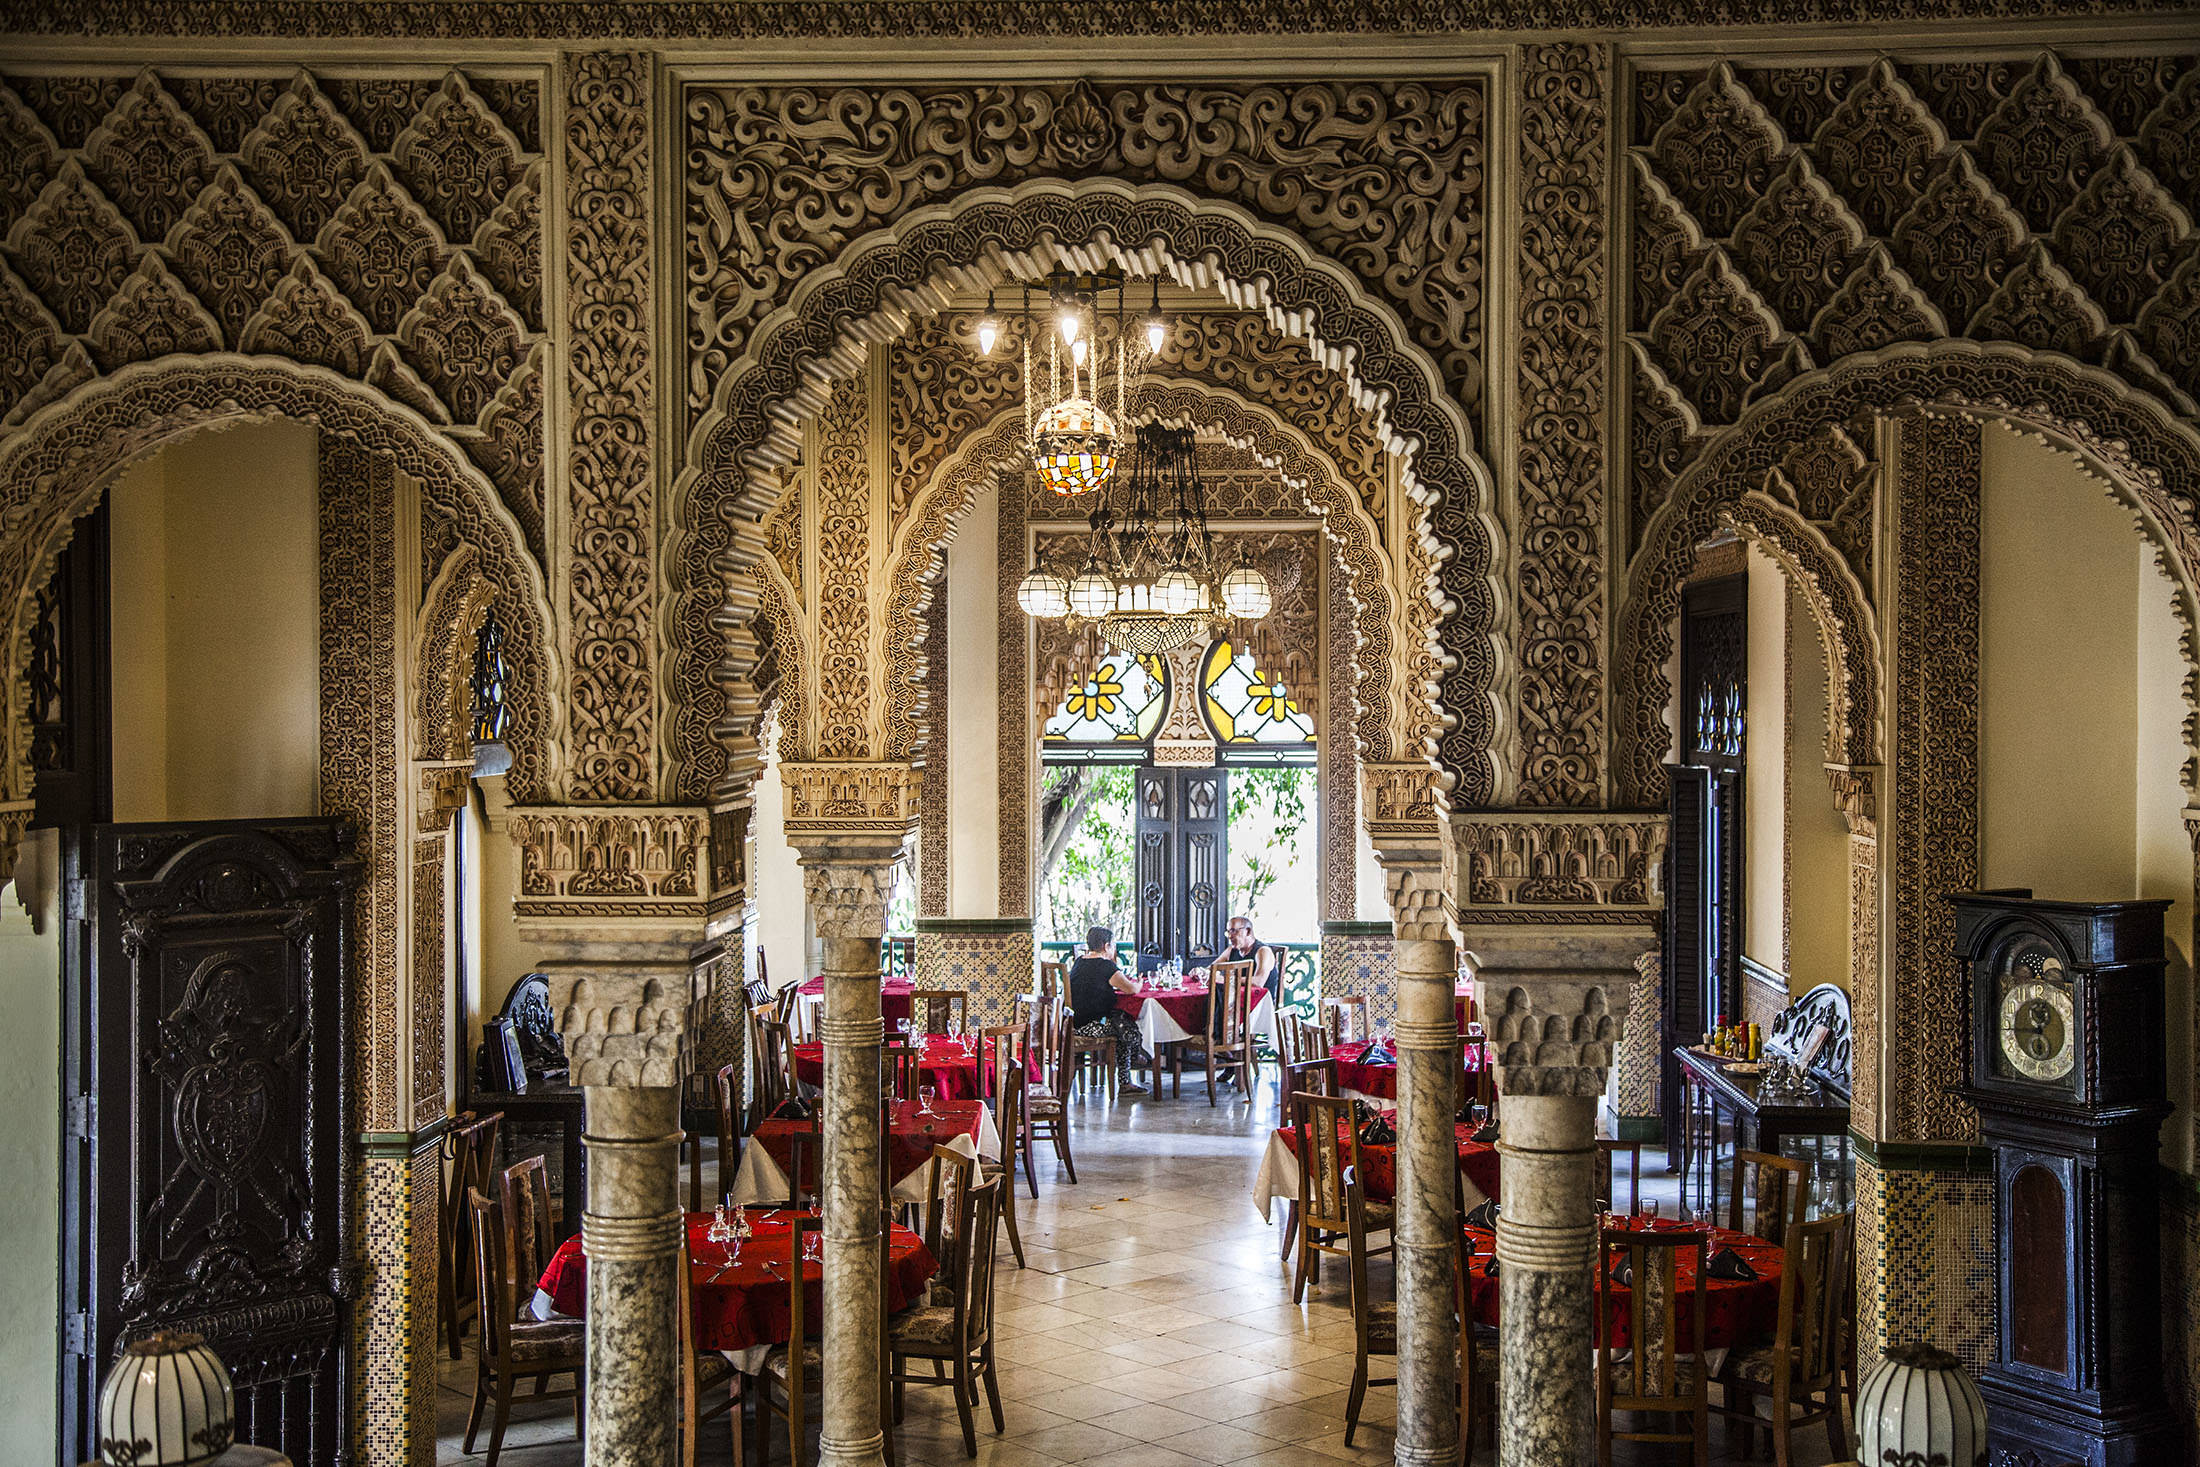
<point x="1247" y="707"/>
<point x="1120" y="703"/>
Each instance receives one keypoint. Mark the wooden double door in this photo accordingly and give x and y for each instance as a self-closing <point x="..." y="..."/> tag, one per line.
<point x="1181" y="862"/>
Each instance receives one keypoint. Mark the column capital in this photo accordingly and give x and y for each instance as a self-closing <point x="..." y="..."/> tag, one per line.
<point x="609" y="882"/>
<point x="1590" y="867"/>
<point x="848" y="898"/>
<point x="847" y="802"/>
<point x="625" y="1025"/>
<point x="1555" y="1001"/>
<point x="1856" y="791"/>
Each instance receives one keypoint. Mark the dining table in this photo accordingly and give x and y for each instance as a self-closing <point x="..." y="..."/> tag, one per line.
<point x="1365" y="1072"/>
<point x="893" y="1000"/>
<point x="947" y="1063"/>
<point x="962" y="1126"/>
<point x="1736" y="1312"/>
<point x="1278" y="1177"/>
<point x="742" y="1293"/>
<point x="1170" y="1011"/>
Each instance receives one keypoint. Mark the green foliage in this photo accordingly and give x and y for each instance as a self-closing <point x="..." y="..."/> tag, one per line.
<point x="1091" y="882"/>
<point x="1268" y="816"/>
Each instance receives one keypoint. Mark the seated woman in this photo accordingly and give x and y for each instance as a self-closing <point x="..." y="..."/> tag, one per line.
<point x="1094" y="981"/>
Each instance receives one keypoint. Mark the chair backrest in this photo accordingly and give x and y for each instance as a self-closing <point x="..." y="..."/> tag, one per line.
<point x="1329" y="1158"/>
<point x="471" y="1150"/>
<point x="1814" y="1278"/>
<point x="1768" y="1193"/>
<point x="806" y="1160"/>
<point x="1229" y="998"/>
<point x="526" y="1197"/>
<point x="999" y="1047"/>
<point x="987" y="1201"/>
<point x="1353" y="1193"/>
<point x="799" y="1326"/>
<point x="1607" y="1149"/>
<point x="774" y="1063"/>
<point x="1650" y="1379"/>
<point x="1051" y="979"/>
<point x="1345" y="1017"/>
<point x="901" y="1070"/>
<point x="936" y="1009"/>
<point x="1052" y="1039"/>
<point x="1313" y="1076"/>
<point x="494" y="1295"/>
<point x="729" y="1125"/>
<point x="946" y="1184"/>
<point x="1004" y="1047"/>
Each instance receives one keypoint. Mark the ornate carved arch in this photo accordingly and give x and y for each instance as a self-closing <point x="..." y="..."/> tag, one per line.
<point x="990" y="236"/>
<point x="2146" y="456"/>
<point x="55" y="467"/>
<point x="452" y="611"/>
<point x="915" y="560"/>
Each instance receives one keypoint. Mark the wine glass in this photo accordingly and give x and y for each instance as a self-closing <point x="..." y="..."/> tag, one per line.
<point x="812" y="1247"/>
<point x="924" y="1099"/>
<point x="742" y="1229"/>
<point x="1650" y="1213"/>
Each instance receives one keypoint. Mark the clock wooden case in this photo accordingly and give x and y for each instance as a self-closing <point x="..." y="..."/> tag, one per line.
<point x="2066" y="1071"/>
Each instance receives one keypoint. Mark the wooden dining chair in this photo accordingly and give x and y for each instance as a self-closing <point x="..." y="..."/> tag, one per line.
<point x="1329" y="1168"/>
<point x="774" y="1063"/>
<point x="469" y="1154"/>
<point x="729" y="1128"/>
<point x="704" y="1374"/>
<point x="1313" y="1076"/>
<point x="1046" y="1106"/>
<point x="1478" y="1356"/>
<point x="901" y="1069"/>
<point x="806" y="1162"/>
<point x="1800" y="1368"/>
<point x="1374" y="1322"/>
<point x="1652" y="1375"/>
<point x="524" y="1189"/>
<point x="793" y="1372"/>
<point x="1051" y="978"/>
<point x="947" y="1177"/>
<point x="940" y="1010"/>
<point x="1345" y="1017"/>
<point x="1008" y="1080"/>
<point x="512" y="1347"/>
<point x="1768" y="1196"/>
<point x="960" y="1331"/>
<point x="1228" y="1043"/>
<point x="1607" y="1150"/>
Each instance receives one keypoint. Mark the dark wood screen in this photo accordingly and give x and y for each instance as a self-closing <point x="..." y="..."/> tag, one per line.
<point x="207" y="1175"/>
<point x="1182" y="862"/>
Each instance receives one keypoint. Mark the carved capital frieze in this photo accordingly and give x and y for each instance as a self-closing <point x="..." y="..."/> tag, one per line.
<point x="612" y="862"/>
<point x="1555" y="1000"/>
<point x="1400" y="802"/>
<point x="444" y="787"/>
<point x="848" y="899"/>
<point x="1416" y="897"/>
<point x="850" y="799"/>
<point x="628" y="1024"/>
<point x="1594" y="866"/>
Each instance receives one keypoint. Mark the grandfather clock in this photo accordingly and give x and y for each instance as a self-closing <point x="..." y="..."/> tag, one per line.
<point x="2066" y="1071"/>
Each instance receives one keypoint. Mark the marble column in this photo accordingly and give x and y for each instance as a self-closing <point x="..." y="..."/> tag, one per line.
<point x="848" y="904"/>
<point x="1553" y="1014"/>
<point x="1427" y="1031"/>
<point x="626" y="1035"/>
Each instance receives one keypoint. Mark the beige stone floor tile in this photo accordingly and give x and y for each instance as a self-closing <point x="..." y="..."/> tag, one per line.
<point x="1153" y="1456"/>
<point x="1037" y="1319"/>
<point x="1371" y="1446"/>
<point x="1286" y="1423"/>
<point x="1078" y="1441"/>
<point x="1085" y="1402"/>
<point x="1149" y="1421"/>
<point x="1156" y="1351"/>
<point x="1033" y="1349"/>
<point x="1218" y="1444"/>
<point x="1217" y="1368"/>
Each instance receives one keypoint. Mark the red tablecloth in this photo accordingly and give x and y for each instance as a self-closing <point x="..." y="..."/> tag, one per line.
<point x="742" y="1304"/>
<point x="909" y="1141"/>
<point x="946" y="1063"/>
<point x="893" y="998"/>
<point x="1187" y="1005"/>
<point x="1478" y="1159"/>
<point x="1379" y="1081"/>
<point x="1739" y="1311"/>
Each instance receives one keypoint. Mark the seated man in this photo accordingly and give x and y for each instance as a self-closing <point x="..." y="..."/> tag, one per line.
<point x="1243" y="946"/>
<point x="1094" y="981"/>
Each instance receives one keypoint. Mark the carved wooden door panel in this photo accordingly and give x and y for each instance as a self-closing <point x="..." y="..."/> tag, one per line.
<point x="1182" y="862"/>
<point x="207" y="1170"/>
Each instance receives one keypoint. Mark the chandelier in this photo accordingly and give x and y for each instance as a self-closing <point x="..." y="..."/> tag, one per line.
<point x="1150" y="580"/>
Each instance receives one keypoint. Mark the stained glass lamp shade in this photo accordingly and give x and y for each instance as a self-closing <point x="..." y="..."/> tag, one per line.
<point x="1073" y="446"/>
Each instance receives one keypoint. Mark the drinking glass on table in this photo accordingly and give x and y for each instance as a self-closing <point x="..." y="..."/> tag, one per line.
<point x="812" y="1247"/>
<point x="924" y="1098"/>
<point x="1650" y="1213"/>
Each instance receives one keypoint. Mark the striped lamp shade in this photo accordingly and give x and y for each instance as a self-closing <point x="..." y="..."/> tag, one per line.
<point x="165" y="1404"/>
<point x="1917" y="1406"/>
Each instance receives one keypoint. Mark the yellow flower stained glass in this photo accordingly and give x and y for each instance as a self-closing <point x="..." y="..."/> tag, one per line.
<point x="1246" y="707"/>
<point x="1120" y="703"/>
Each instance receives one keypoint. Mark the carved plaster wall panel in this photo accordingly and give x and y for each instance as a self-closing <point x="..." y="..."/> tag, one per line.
<point x="612" y="863"/>
<point x="1557" y="868"/>
<point x="1786" y="217"/>
<point x="325" y="220"/>
<point x="850" y="798"/>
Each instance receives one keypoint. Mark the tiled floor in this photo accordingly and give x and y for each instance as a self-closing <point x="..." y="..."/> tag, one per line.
<point x="1153" y="1328"/>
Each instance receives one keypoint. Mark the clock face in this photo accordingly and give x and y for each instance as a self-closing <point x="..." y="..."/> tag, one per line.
<point x="2037" y="1033"/>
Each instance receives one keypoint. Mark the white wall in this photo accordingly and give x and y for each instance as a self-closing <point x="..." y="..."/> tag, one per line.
<point x="1764" y="769"/>
<point x="30" y="1096"/>
<point x="1818" y="836"/>
<point x="775" y="881"/>
<point x="2080" y="713"/>
<point x="216" y="610"/>
<point x="972" y="760"/>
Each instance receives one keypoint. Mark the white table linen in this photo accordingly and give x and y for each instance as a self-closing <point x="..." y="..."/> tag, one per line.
<point x="760" y="1179"/>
